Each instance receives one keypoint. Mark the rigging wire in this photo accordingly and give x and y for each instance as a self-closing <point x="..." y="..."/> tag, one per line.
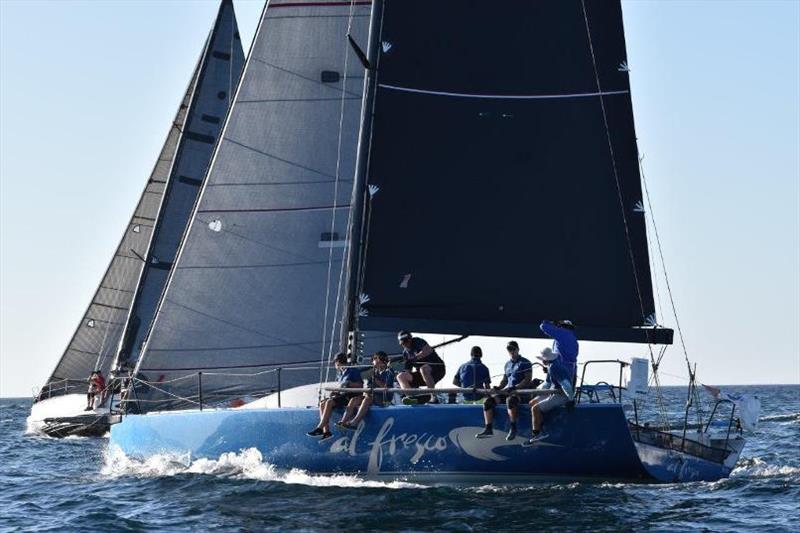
<point x="333" y="218"/>
<point x="659" y="395"/>
<point x="692" y="376"/>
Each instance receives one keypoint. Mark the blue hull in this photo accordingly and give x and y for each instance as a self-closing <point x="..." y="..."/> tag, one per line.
<point x="591" y="441"/>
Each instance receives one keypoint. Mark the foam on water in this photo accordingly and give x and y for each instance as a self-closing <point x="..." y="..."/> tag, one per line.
<point x="789" y="417"/>
<point x="756" y="467"/>
<point x="248" y="464"/>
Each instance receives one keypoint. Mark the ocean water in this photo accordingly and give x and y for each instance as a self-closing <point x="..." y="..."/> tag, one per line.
<point x="79" y="483"/>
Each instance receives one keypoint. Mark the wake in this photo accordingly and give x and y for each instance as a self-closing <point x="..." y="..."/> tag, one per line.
<point x="248" y="464"/>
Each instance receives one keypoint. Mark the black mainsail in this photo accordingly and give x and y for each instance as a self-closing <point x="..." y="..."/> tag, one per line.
<point x="220" y="67"/>
<point x="165" y="204"/>
<point x="506" y="162"/>
<point x="257" y="281"/>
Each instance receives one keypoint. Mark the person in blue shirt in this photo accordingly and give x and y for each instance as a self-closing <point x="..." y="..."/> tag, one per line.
<point x="517" y="374"/>
<point x="559" y="378"/>
<point x="349" y="378"/>
<point x="565" y="343"/>
<point x="423" y="366"/>
<point x="473" y="373"/>
<point x="382" y="378"/>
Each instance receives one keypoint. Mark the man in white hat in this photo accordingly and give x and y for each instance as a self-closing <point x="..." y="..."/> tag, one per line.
<point x="559" y="377"/>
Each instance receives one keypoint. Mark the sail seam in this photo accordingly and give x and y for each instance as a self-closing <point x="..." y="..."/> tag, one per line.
<point x="298" y="75"/>
<point x="282" y="160"/>
<point x="275" y="209"/>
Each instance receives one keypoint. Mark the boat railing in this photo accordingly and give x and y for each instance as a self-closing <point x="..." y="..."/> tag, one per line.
<point x="60" y="387"/>
<point x="131" y="400"/>
<point x="664" y="437"/>
<point x="592" y="392"/>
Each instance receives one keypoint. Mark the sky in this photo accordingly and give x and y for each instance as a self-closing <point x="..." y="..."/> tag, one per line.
<point x="88" y="90"/>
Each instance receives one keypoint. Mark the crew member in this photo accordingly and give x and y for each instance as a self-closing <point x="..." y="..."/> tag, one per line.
<point x="382" y="378"/>
<point x="90" y="394"/>
<point x="559" y="377"/>
<point x="423" y="366"/>
<point x="565" y="343"/>
<point x="516" y="375"/>
<point x="473" y="373"/>
<point x="349" y="378"/>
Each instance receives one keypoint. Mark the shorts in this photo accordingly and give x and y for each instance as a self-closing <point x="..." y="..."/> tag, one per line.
<point x="416" y="376"/>
<point x="551" y="402"/>
<point x="381" y="399"/>
<point x="522" y="398"/>
<point x="340" y="400"/>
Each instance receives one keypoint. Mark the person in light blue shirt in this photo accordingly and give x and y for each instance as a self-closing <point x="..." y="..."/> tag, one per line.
<point x="349" y="378"/>
<point x="382" y="378"/>
<point x="565" y="343"/>
<point x="559" y="378"/>
<point x="517" y="374"/>
<point x="473" y="373"/>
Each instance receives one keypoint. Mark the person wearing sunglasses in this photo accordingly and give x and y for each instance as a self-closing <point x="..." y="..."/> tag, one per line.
<point x="517" y="374"/>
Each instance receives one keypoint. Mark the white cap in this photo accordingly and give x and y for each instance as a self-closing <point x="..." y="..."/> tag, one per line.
<point x="547" y="356"/>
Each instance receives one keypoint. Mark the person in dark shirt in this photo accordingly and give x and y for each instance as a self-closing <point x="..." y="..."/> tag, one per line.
<point x="382" y="378"/>
<point x="473" y="373"/>
<point x="349" y="378"/>
<point x="517" y="374"/>
<point x="423" y="366"/>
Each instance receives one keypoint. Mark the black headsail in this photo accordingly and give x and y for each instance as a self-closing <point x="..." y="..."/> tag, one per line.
<point x="164" y="205"/>
<point x="220" y="67"/>
<point x="504" y="154"/>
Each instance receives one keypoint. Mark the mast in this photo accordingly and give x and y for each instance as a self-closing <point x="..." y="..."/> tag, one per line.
<point x="359" y="203"/>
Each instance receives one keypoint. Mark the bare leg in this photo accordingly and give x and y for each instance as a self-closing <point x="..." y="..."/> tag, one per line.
<point x="362" y="411"/>
<point x="404" y="379"/>
<point x="427" y="377"/>
<point x="512" y="414"/>
<point x="537" y="419"/>
<point x="488" y="416"/>
<point x="327" y="411"/>
<point x="352" y="405"/>
<point x="532" y="403"/>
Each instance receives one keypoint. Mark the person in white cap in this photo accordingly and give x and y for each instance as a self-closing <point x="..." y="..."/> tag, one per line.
<point x="559" y="377"/>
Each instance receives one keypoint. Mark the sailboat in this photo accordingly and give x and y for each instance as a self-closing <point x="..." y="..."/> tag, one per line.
<point x="445" y="167"/>
<point x="111" y="331"/>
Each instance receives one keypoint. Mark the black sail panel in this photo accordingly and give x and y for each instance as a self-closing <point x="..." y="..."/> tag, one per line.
<point x="505" y="157"/>
<point x="220" y="66"/>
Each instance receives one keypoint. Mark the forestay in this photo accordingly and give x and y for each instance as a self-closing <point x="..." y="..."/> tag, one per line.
<point x="257" y="280"/>
<point x="505" y="160"/>
<point x="220" y="66"/>
<point x="94" y="343"/>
